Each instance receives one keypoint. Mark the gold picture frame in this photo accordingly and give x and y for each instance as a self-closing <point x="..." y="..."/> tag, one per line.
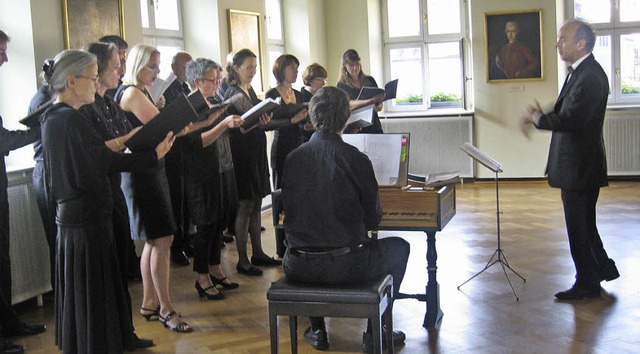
<point x="86" y="21"/>
<point x="245" y="32"/>
<point x="514" y="46"/>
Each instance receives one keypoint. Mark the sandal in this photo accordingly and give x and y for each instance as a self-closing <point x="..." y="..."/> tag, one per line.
<point x="181" y="327"/>
<point x="221" y="281"/>
<point x="152" y="316"/>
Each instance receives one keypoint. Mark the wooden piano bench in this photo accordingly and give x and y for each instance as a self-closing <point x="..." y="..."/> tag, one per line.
<point x="370" y="300"/>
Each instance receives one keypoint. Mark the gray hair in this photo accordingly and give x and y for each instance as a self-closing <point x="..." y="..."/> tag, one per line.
<point x="584" y="31"/>
<point x="71" y="62"/>
<point x="138" y="58"/>
<point x="196" y="69"/>
<point x="329" y="109"/>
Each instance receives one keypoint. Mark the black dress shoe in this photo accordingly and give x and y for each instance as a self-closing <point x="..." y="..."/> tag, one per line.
<point x="228" y="286"/>
<point x="265" y="262"/>
<point x="249" y="271"/>
<point x="180" y="258"/>
<point x="317" y="338"/>
<point x="227" y="238"/>
<point x="580" y="292"/>
<point x="367" y="340"/>
<point x="609" y="272"/>
<point x="139" y="343"/>
<point x="22" y="329"/>
<point x="7" y="347"/>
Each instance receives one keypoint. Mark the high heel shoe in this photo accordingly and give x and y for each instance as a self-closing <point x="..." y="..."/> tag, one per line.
<point x="203" y="292"/>
<point x="220" y="281"/>
<point x="181" y="327"/>
<point x="153" y="315"/>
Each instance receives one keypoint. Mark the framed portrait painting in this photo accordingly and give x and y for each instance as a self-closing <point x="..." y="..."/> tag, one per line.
<point x="244" y="32"/>
<point x="514" y="47"/>
<point x="85" y="21"/>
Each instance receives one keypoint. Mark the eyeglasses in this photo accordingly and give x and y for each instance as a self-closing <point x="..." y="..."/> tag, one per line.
<point x="213" y="81"/>
<point x="94" y="79"/>
<point x="324" y="80"/>
<point x="249" y="68"/>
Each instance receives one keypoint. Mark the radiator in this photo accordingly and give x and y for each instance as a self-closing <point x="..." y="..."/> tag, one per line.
<point x="28" y="248"/>
<point x="435" y="143"/>
<point x="622" y="141"/>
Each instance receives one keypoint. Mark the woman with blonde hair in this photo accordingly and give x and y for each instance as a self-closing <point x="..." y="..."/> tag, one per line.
<point x="147" y="194"/>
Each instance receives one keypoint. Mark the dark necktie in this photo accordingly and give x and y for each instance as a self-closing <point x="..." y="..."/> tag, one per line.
<point x="566" y="79"/>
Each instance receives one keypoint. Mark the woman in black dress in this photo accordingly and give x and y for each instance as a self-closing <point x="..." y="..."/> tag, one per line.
<point x="287" y="120"/>
<point x="147" y="194"/>
<point x="204" y="190"/>
<point x="249" y="151"/>
<point x="90" y="300"/>
<point x="114" y="129"/>
<point x="351" y="80"/>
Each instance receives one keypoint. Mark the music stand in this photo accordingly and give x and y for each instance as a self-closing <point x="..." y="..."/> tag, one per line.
<point x="498" y="255"/>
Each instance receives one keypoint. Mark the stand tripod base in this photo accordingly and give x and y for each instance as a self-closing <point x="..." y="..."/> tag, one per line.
<point x="498" y="257"/>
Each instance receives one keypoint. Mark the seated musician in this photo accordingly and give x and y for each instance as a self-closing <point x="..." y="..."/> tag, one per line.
<point x="330" y="199"/>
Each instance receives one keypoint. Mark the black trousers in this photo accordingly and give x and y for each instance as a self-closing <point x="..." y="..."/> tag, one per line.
<point x="376" y="258"/>
<point x="207" y="247"/>
<point x="47" y="210"/>
<point x="587" y="250"/>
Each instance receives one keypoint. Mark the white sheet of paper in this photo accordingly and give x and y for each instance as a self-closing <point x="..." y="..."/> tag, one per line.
<point x="384" y="152"/>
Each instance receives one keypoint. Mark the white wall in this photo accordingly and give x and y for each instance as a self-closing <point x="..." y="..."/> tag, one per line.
<point x="500" y="105"/>
<point x="201" y="29"/>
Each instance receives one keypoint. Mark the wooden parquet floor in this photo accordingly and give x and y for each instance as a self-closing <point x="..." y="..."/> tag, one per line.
<point x="482" y="317"/>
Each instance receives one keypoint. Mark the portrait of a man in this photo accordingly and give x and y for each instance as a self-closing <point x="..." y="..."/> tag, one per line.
<point x="513" y="46"/>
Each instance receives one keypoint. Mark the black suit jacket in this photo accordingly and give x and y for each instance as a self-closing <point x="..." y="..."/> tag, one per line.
<point x="577" y="159"/>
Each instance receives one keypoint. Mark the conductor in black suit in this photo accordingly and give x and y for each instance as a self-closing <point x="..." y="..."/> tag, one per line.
<point x="577" y="162"/>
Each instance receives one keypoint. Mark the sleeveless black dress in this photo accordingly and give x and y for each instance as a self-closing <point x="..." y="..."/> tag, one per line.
<point x="147" y="194"/>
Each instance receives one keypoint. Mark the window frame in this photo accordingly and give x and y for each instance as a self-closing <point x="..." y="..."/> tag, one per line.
<point x="615" y="29"/>
<point x="422" y="41"/>
<point x="154" y="36"/>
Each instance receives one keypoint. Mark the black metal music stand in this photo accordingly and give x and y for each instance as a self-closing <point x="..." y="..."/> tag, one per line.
<point x="498" y="256"/>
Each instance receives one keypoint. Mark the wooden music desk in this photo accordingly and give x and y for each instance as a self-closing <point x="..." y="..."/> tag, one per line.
<point x="418" y="209"/>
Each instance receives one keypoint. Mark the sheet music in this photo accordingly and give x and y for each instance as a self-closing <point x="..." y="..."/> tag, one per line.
<point x="481" y="157"/>
<point x="160" y="86"/>
<point x="384" y="151"/>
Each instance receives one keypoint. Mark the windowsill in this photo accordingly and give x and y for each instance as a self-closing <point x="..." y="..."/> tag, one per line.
<point x="623" y="107"/>
<point x="444" y="112"/>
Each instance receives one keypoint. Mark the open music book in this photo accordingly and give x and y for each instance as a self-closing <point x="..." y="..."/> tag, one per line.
<point x="159" y="86"/>
<point x="389" y="90"/>
<point x="388" y="154"/>
<point x="361" y="117"/>
<point x="251" y="117"/>
<point x="481" y="157"/>
<point x="441" y="179"/>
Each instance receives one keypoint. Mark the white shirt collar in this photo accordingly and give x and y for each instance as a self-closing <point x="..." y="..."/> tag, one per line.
<point x="577" y="62"/>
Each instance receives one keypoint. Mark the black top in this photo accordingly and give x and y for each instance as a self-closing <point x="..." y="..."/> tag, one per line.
<point x="353" y="92"/>
<point x="330" y="194"/>
<point x="78" y="164"/>
<point x="174" y="90"/>
<point x="249" y="150"/>
<point x="287" y="136"/>
<point x="306" y="97"/>
<point x="109" y="119"/>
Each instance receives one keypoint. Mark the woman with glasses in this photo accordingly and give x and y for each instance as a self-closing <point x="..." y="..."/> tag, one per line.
<point x="351" y="81"/>
<point x="204" y="184"/>
<point x="313" y="78"/>
<point x="147" y="194"/>
<point x="288" y="119"/>
<point x="90" y="302"/>
<point x="249" y="151"/>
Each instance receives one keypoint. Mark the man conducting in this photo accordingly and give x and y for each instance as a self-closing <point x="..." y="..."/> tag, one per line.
<point x="330" y="199"/>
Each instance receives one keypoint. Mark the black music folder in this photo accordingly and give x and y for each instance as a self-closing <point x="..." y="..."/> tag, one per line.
<point x="251" y="118"/>
<point x="33" y="119"/>
<point x="390" y="90"/>
<point x="173" y="118"/>
<point x="200" y="105"/>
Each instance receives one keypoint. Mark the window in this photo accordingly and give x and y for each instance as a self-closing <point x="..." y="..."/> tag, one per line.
<point x="275" y="35"/>
<point x="162" y="28"/>
<point x="423" y="50"/>
<point x="617" y="49"/>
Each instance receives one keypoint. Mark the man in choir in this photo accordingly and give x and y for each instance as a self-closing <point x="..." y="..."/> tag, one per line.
<point x="330" y="199"/>
<point x="10" y="325"/>
<point x="174" y="167"/>
<point x="577" y="161"/>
